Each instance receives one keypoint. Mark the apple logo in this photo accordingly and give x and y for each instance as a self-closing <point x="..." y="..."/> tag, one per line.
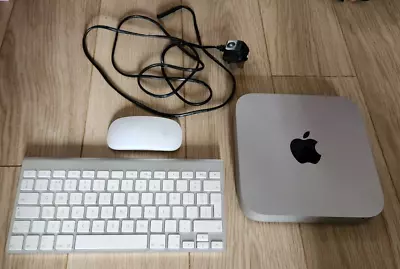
<point x="304" y="150"/>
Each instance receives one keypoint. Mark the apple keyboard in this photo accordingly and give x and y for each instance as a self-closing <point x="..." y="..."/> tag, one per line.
<point x="118" y="205"/>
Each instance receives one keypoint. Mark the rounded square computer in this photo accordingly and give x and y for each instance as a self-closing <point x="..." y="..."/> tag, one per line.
<point x="304" y="159"/>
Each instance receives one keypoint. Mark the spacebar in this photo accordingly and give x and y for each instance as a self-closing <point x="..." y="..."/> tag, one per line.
<point x="111" y="242"/>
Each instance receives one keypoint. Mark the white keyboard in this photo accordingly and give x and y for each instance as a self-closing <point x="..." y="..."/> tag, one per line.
<point x="98" y="205"/>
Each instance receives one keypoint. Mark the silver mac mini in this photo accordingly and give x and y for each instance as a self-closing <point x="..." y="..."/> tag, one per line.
<point x="304" y="159"/>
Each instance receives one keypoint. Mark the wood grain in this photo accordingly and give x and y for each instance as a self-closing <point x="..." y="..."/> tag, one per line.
<point x="304" y="38"/>
<point x="44" y="80"/>
<point x="249" y="244"/>
<point x="5" y="13"/>
<point x="132" y="54"/>
<point x="365" y="245"/>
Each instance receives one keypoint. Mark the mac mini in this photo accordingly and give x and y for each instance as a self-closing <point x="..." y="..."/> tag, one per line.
<point x="304" y="159"/>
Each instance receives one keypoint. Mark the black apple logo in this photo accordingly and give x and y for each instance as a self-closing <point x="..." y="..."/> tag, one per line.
<point x="304" y="150"/>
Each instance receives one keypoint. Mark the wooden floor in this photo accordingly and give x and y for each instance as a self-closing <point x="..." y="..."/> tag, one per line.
<point x="53" y="103"/>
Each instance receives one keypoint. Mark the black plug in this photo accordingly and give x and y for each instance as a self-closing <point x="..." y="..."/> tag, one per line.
<point x="236" y="52"/>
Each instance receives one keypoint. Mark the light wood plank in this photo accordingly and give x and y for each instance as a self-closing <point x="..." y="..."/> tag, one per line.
<point x="365" y="245"/>
<point x="5" y="12"/>
<point x="106" y="105"/>
<point x="249" y="244"/>
<point x="304" y="38"/>
<point x="44" y="80"/>
<point x="372" y="33"/>
<point x="133" y="54"/>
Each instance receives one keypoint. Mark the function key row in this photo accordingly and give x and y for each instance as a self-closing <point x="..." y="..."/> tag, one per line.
<point x="120" y="174"/>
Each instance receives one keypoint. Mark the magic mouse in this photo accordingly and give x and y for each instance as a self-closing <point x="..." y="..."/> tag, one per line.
<point x="144" y="133"/>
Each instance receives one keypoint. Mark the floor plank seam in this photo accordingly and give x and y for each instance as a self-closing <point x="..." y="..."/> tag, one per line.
<point x="7" y="23"/>
<point x="11" y="166"/>
<point x="302" y="244"/>
<point x="311" y="76"/>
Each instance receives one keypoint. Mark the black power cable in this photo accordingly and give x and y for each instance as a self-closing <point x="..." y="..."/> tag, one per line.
<point x="188" y="48"/>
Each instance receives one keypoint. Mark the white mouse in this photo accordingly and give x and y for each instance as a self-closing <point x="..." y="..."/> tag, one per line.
<point x="144" y="133"/>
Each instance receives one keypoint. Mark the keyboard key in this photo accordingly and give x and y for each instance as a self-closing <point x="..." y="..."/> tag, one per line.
<point x="202" y="245"/>
<point x="181" y="185"/>
<point x="212" y="185"/>
<point x="44" y="174"/>
<point x="53" y="226"/>
<point x="207" y="226"/>
<point x="27" y="184"/>
<point x="145" y="174"/>
<point x="99" y="185"/>
<point x="41" y="184"/>
<point x="170" y="226"/>
<point x="218" y="211"/>
<point x="174" y="241"/>
<point x="84" y="185"/>
<point x="112" y="226"/>
<point x="161" y="198"/>
<point x="159" y="174"/>
<point x="187" y="244"/>
<point x="111" y="242"/>
<point x="174" y="198"/>
<point x="121" y="212"/>
<point x="156" y="226"/>
<point x="59" y="174"/>
<point x="140" y="185"/>
<point x="147" y="198"/>
<point x="188" y="199"/>
<point x="127" y="226"/>
<point x="119" y="198"/>
<point x="214" y="175"/>
<point x="27" y="212"/>
<point x="168" y="185"/>
<point x="215" y="198"/>
<point x="28" y="198"/>
<point x="38" y="226"/>
<point x="202" y="237"/>
<point x="103" y="174"/>
<point x="117" y="174"/>
<point x="48" y="212"/>
<point x="68" y="226"/>
<point x="113" y="185"/>
<point x="21" y="226"/>
<point x="195" y="185"/>
<point x="64" y="242"/>
<point x="135" y="212"/>
<point x="177" y="212"/>
<point x="142" y="226"/>
<point x="107" y="212"/>
<point x="83" y="226"/>
<point x="173" y="175"/>
<point x="75" y="198"/>
<point x="187" y="175"/>
<point x="192" y="212"/>
<point x="205" y="212"/>
<point x="202" y="198"/>
<point x="63" y="212"/>
<point x="74" y="174"/>
<point x="61" y="198"/>
<point x="29" y="174"/>
<point x="154" y="185"/>
<point x="131" y="174"/>
<point x="105" y="198"/>
<point x="98" y="226"/>
<point x="201" y="175"/>
<point x="16" y="243"/>
<point x="92" y="212"/>
<point x="31" y="242"/>
<point x="157" y="241"/>
<point x="133" y="198"/>
<point x="77" y="212"/>
<point x="149" y="212"/>
<point x="185" y="226"/>
<point x="127" y="185"/>
<point x="70" y="185"/>
<point x="88" y="174"/>
<point x="46" y="198"/>
<point x="47" y="242"/>
<point x="164" y="212"/>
